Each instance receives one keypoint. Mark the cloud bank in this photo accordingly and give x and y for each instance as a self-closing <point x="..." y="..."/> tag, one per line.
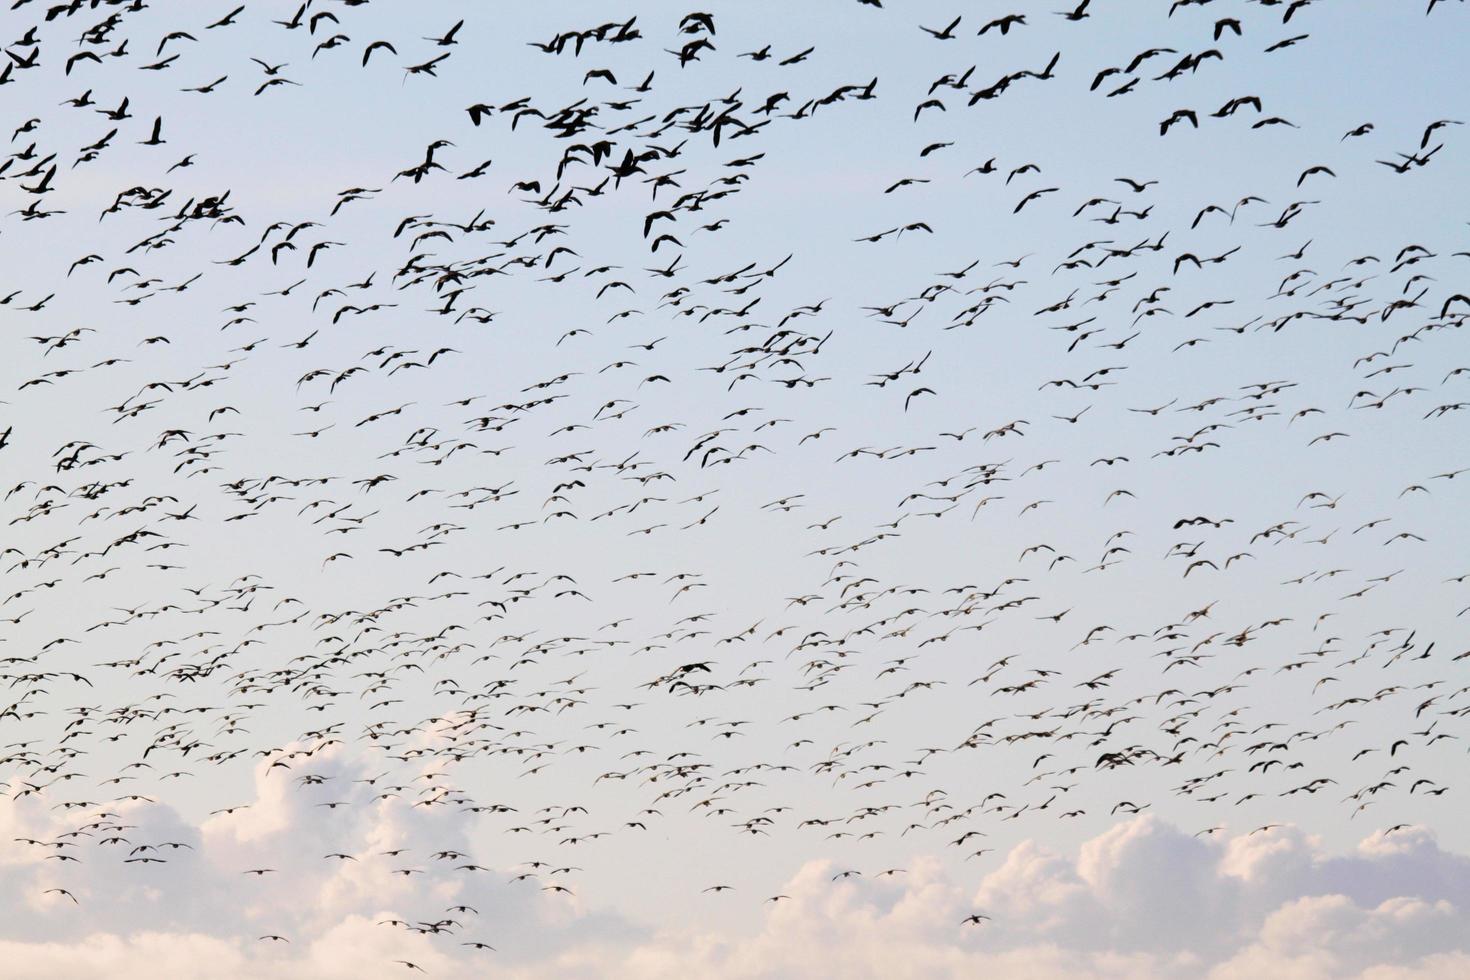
<point x="1143" y="900"/>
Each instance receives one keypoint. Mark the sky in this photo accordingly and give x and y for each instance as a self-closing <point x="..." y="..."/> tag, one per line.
<point x="350" y="513"/>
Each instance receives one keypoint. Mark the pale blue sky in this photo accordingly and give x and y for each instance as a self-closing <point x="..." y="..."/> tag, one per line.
<point x="286" y="154"/>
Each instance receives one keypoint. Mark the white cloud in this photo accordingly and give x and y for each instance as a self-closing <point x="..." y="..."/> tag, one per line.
<point x="1143" y="901"/>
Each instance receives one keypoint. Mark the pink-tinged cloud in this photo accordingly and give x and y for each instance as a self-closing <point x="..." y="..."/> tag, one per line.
<point x="1142" y="901"/>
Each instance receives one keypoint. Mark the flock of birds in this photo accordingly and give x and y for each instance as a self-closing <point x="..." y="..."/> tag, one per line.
<point x="588" y="529"/>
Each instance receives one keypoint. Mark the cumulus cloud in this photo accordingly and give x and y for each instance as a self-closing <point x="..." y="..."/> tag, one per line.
<point x="1143" y="900"/>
